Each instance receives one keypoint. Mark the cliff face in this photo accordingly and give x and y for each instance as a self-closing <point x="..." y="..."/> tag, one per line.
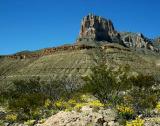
<point x="136" y="40"/>
<point x="98" y="29"/>
<point x="157" y="42"/>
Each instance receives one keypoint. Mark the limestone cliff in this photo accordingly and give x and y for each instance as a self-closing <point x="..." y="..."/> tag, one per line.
<point x="98" y="29"/>
<point x="136" y="40"/>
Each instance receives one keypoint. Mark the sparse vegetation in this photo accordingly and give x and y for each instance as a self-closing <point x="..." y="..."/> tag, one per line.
<point x="114" y="87"/>
<point x="158" y="107"/>
<point x="136" y="122"/>
<point x="125" y="111"/>
<point x="11" y="117"/>
<point x="106" y="84"/>
<point x="34" y="99"/>
<point x="131" y="95"/>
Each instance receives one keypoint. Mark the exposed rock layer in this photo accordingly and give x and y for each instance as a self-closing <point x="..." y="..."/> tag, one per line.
<point x="157" y="44"/>
<point x="97" y="28"/>
<point x="136" y="40"/>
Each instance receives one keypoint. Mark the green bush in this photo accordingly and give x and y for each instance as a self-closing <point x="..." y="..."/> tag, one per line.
<point x="143" y="94"/>
<point x="29" y="122"/>
<point x="33" y="98"/>
<point x="27" y="103"/>
<point x="158" y="107"/>
<point x="136" y="122"/>
<point x="78" y="106"/>
<point x="48" y="103"/>
<point x="125" y="112"/>
<point x="1" y="123"/>
<point x="77" y="102"/>
<point x="11" y="117"/>
<point x="106" y="83"/>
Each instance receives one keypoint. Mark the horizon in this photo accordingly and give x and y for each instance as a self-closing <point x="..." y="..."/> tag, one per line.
<point x="33" y="25"/>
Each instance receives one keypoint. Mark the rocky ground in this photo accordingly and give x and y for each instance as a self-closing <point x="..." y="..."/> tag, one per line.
<point x="89" y="117"/>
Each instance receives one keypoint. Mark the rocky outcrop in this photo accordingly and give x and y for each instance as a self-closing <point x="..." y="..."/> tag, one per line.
<point x="95" y="29"/>
<point x="89" y="117"/>
<point x="86" y="117"/>
<point x="136" y="40"/>
<point x="98" y="29"/>
<point x="48" y="51"/>
<point x="156" y="43"/>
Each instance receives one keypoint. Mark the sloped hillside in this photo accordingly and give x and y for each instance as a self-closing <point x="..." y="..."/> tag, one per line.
<point x="98" y="40"/>
<point x="77" y="62"/>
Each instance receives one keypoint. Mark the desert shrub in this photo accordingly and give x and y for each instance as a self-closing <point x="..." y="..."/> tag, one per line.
<point x="47" y="113"/>
<point x="66" y="105"/>
<point x="143" y="81"/>
<point x="61" y="104"/>
<point x="48" y="103"/>
<point x="125" y="112"/>
<point x="106" y="83"/>
<point x="134" y="94"/>
<point x="26" y="95"/>
<point x="143" y="95"/>
<point x="77" y="102"/>
<point x="72" y="102"/>
<point x="158" y="107"/>
<point x="27" y="103"/>
<point x="57" y="89"/>
<point x="136" y="122"/>
<point x="11" y="117"/>
<point x="36" y="113"/>
<point x="118" y="86"/>
<point x="29" y="122"/>
<point x="78" y="106"/>
<point x="33" y="98"/>
<point x="1" y="123"/>
<point x="84" y="97"/>
<point x="95" y="103"/>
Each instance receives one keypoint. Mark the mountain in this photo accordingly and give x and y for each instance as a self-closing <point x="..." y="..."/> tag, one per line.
<point x="136" y="40"/>
<point x="157" y="43"/>
<point x="97" y="37"/>
<point x="98" y="29"/>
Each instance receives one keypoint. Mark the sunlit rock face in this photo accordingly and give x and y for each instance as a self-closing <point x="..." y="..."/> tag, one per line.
<point x="98" y="29"/>
<point x="157" y="42"/>
<point x="136" y="40"/>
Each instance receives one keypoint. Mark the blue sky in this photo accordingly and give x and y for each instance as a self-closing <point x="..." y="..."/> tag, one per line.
<point x="36" y="24"/>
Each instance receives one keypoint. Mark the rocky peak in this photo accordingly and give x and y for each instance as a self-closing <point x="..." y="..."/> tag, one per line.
<point x="97" y="28"/>
<point x="136" y="40"/>
<point x="157" y="43"/>
<point x="133" y="39"/>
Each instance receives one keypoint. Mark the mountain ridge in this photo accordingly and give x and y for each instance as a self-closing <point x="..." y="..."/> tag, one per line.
<point x="77" y="59"/>
<point x="96" y="29"/>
